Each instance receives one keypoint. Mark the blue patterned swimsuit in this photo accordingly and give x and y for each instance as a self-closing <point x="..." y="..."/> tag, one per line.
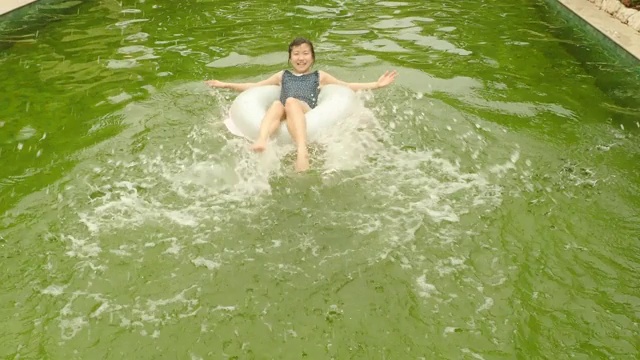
<point x="302" y="87"/>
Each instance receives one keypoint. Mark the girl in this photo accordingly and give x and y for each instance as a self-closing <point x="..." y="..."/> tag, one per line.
<point x="299" y="94"/>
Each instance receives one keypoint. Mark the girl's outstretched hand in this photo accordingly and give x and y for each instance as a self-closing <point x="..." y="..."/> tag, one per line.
<point x="215" y="83"/>
<point x="386" y="78"/>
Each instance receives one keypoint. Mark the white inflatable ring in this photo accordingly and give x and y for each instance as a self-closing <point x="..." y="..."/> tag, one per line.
<point x="335" y="103"/>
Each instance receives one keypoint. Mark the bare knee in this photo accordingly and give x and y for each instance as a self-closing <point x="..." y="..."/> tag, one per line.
<point x="276" y="110"/>
<point x="277" y="105"/>
<point x="296" y="105"/>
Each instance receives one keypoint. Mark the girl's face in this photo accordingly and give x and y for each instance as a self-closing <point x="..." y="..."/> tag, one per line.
<point x="301" y="58"/>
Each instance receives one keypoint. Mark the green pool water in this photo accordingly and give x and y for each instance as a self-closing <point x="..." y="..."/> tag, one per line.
<point x="485" y="206"/>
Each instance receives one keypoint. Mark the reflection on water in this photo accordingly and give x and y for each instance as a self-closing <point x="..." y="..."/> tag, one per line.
<point x="455" y="215"/>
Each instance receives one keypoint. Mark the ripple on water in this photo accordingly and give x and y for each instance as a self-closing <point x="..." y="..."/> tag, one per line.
<point x="433" y="42"/>
<point x="26" y="133"/>
<point x="383" y="45"/>
<point x="139" y="36"/>
<point x="409" y="22"/>
<point x="126" y="23"/>
<point x="198" y="205"/>
<point x="417" y="221"/>
<point x="392" y="3"/>
<point x="122" y="64"/>
<point x="131" y="11"/>
<point x="235" y="59"/>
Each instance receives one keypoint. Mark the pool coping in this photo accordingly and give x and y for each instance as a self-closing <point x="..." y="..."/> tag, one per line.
<point x="6" y="6"/>
<point x="598" y="17"/>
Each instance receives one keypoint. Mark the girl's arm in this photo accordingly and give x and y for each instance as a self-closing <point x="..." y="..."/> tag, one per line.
<point x="387" y="78"/>
<point x="272" y="80"/>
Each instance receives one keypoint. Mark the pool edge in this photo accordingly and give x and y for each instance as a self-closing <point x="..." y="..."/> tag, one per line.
<point x="618" y="32"/>
<point x="11" y="5"/>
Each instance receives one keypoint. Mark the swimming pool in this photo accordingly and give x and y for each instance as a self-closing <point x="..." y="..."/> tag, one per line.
<point x="484" y="206"/>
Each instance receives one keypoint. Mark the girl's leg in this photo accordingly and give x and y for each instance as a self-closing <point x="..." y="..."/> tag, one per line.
<point x="296" y="123"/>
<point x="269" y="125"/>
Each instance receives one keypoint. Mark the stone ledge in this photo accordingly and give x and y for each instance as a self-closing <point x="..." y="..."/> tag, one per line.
<point x="10" y="5"/>
<point x="620" y="33"/>
<point x="628" y="16"/>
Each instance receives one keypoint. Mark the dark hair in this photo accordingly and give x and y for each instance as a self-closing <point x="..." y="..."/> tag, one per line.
<point x="299" y="41"/>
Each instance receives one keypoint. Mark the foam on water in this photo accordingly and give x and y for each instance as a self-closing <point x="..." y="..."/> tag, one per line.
<point x="188" y="203"/>
<point x="54" y="290"/>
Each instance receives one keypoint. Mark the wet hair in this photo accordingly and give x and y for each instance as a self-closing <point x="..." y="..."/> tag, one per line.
<point x="299" y="41"/>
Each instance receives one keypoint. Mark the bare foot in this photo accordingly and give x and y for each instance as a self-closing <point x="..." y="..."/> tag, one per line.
<point x="259" y="146"/>
<point x="302" y="160"/>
